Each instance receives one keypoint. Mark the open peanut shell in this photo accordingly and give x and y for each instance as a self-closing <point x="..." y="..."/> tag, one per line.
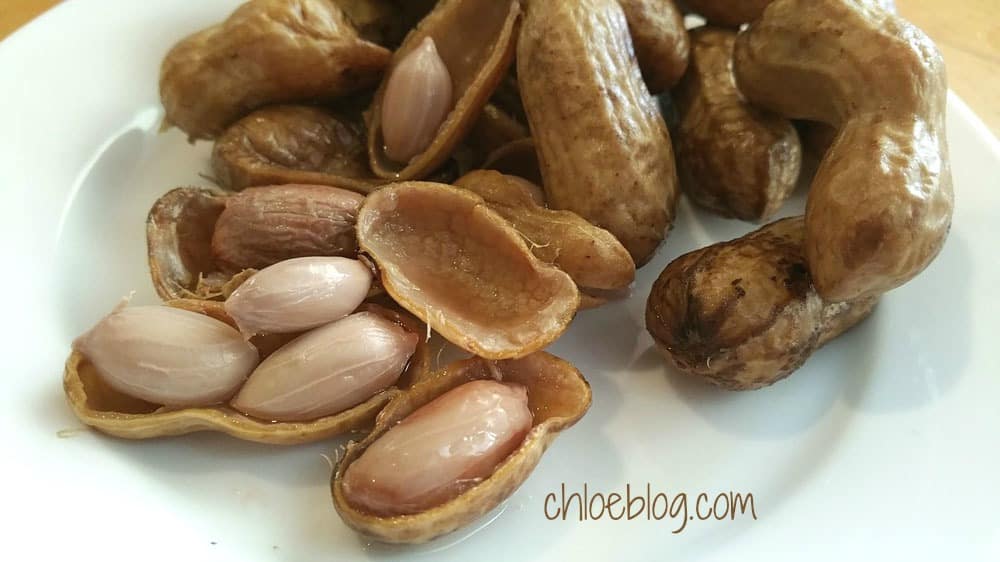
<point x="449" y="259"/>
<point x="558" y="396"/>
<point x="182" y="223"/>
<point x="96" y="404"/>
<point x="475" y="39"/>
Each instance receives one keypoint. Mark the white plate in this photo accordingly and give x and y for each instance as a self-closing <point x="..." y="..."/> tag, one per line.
<point x="883" y="446"/>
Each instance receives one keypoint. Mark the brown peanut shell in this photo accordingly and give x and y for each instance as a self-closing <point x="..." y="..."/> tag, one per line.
<point x="602" y="145"/>
<point x="744" y="314"/>
<point x="266" y="51"/>
<point x="732" y="158"/>
<point x="463" y="269"/>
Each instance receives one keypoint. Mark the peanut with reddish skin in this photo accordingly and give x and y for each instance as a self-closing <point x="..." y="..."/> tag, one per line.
<point x="440" y="450"/>
<point x="417" y="99"/>
<point x="475" y="41"/>
<point x="328" y="370"/>
<point x="299" y="294"/>
<point x="603" y="148"/>
<point x="558" y="396"/>
<point x="261" y="226"/>
<point x="168" y="356"/>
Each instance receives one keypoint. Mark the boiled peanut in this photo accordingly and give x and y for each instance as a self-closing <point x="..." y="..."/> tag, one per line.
<point x="440" y="450"/>
<point x="881" y="202"/>
<point x="267" y="51"/>
<point x="299" y="294"/>
<point x="475" y="42"/>
<point x="168" y="356"/>
<point x="602" y="145"/>
<point x="328" y="370"/>
<point x="744" y="314"/>
<point x="417" y="99"/>
<point x="732" y="158"/>
<point x="660" y="40"/>
<point x="557" y="396"/>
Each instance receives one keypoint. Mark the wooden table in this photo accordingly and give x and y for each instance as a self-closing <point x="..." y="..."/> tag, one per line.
<point x="967" y="31"/>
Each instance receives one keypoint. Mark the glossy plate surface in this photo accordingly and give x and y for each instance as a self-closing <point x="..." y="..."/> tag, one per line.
<point x="885" y="445"/>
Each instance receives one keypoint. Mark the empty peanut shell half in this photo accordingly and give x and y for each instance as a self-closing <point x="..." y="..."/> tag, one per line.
<point x="98" y="405"/>
<point x="267" y="51"/>
<point x="460" y="51"/>
<point x="462" y="268"/>
<point x="294" y="144"/>
<point x="201" y="243"/>
<point x="557" y="395"/>
<point x="589" y="254"/>
<point x="744" y="314"/>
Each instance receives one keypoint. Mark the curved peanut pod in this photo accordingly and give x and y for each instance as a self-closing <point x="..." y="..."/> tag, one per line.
<point x="109" y="411"/>
<point x="267" y="51"/>
<point x="660" y="40"/>
<point x="732" y="158"/>
<point x="203" y="244"/>
<point x="558" y="396"/>
<point x="463" y="269"/>
<point x="294" y="144"/>
<point x="881" y="202"/>
<point x="602" y="145"/>
<point x="744" y="314"/>
<point x="475" y="41"/>
<point x="728" y="13"/>
<point x="590" y="255"/>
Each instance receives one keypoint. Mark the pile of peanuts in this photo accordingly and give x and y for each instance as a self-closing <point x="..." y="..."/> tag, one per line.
<point x="486" y="169"/>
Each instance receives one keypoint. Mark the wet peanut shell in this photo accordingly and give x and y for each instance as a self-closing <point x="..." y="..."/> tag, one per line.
<point x="558" y="396"/>
<point x="732" y="158"/>
<point x="881" y="202"/>
<point x="109" y="411"/>
<point x="603" y="148"/>
<point x="294" y="144"/>
<point x="744" y="314"/>
<point x="475" y="39"/>
<point x="450" y="260"/>
<point x="660" y="40"/>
